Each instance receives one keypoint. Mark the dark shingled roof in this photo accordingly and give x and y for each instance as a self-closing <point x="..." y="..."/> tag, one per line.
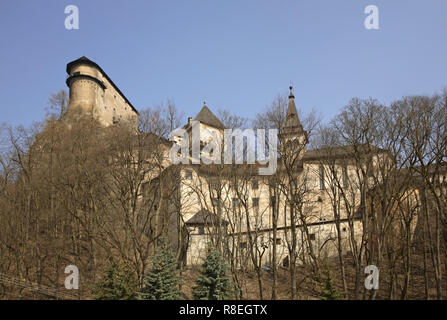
<point x="292" y="121"/>
<point x="203" y="217"/>
<point x="340" y="152"/>
<point x="207" y="117"/>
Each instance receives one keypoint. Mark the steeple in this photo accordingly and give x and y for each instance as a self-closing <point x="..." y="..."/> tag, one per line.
<point x="293" y="124"/>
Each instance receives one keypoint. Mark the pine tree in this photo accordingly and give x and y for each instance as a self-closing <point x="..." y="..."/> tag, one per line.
<point x="118" y="283"/>
<point x="213" y="283"/>
<point x="162" y="281"/>
<point x="329" y="291"/>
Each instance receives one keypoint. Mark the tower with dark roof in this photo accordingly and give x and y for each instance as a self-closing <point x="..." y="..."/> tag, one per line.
<point x="93" y="93"/>
<point x="293" y="128"/>
<point x="206" y="116"/>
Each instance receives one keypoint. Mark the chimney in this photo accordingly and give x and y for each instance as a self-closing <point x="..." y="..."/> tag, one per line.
<point x="189" y="120"/>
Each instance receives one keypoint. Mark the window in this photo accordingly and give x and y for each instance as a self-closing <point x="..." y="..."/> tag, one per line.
<point x="272" y="201"/>
<point x="321" y="178"/>
<point x="345" y="177"/>
<point x="369" y="170"/>
<point x="243" y="245"/>
<point x="235" y="203"/>
<point x="155" y="207"/>
<point x="201" y="230"/>
<point x="285" y="262"/>
<point x="312" y="236"/>
<point x="255" y="202"/>
<point x="214" y="184"/>
<point x="214" y="202"/>
<point x="278" y="241"/>
<point x="188" y="175"/>
<point x="255" y="185"/>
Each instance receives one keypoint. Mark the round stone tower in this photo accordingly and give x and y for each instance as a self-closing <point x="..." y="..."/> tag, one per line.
<point x="85" y="86"/>
<point x="92" y="92"/>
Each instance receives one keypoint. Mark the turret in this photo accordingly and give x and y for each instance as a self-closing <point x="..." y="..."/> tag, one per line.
<point x="93" y="93"/>
<point x="293" y="128"/>
<point x="292" y="136"/>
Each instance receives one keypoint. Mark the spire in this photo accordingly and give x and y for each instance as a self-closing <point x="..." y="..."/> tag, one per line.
<point x="291" y="96"/>
<point x="292" y="121"/>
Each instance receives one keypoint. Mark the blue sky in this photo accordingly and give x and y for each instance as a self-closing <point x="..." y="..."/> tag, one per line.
<point x="234" y="54"/>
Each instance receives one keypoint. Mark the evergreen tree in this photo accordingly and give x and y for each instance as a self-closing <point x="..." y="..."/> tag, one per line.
<point x="162" y="281"/>
<point x="118" y="283"/>
<point x="329" y="291"/>
<point x="213" y="283"/>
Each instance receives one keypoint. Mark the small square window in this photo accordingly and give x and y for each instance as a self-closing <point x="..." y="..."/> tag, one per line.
<point x="278" y="241"/>
<point x="255" y="185"/>
<point x="201" y="230"/>
<point x="188" y="175"/>
<point x="312" y="236"/>
<point x="214" y="184"/>
<point x="255" y="202"/>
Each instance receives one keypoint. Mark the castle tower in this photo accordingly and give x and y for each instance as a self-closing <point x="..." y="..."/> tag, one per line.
<point x="207" y="123"/>
<point x="293" y="130"/>
<point x="93" y="93"/>
<point x="207" y="117"/>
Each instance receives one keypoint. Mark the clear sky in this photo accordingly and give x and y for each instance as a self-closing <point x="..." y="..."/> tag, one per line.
<point x="234" y="54"/>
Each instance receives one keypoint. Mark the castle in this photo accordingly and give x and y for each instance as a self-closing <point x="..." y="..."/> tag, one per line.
<point x="247" y="214"/>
